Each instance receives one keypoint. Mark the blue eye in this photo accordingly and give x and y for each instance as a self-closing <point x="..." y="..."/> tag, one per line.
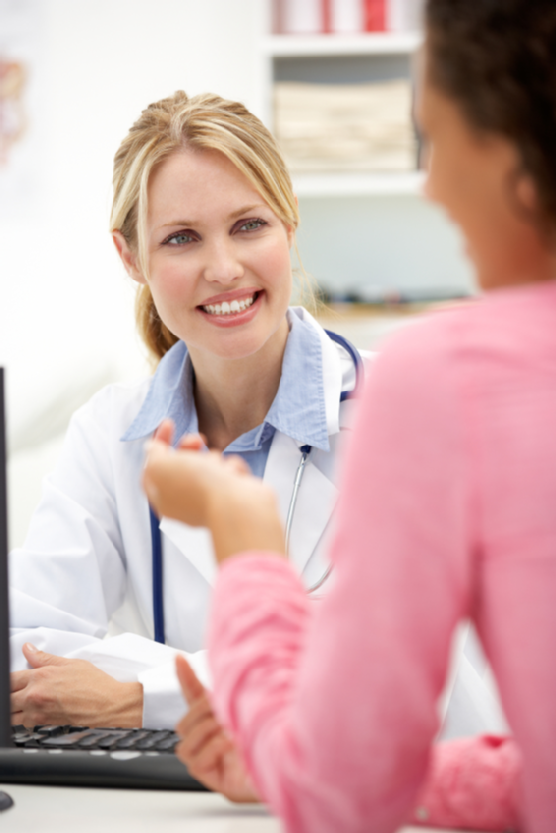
<point x="178" y="239"/>
<point x="252" y="225"/>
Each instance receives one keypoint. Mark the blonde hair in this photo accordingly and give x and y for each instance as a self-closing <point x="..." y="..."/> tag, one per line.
<point x="206" y="122"/>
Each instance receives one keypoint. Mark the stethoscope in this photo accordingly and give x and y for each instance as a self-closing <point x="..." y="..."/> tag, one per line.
<point x="156" y="537"/>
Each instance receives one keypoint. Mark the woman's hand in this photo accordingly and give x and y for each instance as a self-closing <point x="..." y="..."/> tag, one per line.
<point x="208" y="752"/>
<point x="215" y="492"/>
<point x="71" y="691"/>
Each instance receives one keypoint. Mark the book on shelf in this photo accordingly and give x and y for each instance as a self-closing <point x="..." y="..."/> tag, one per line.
<point x="346" y="127"/>
<point x="313" y="17"/>
<point x="376" y="15"/>
<point x="405" y="15"/>
<point x="347" y="16"/>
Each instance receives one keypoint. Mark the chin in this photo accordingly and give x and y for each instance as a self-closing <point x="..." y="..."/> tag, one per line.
<point x="235" y="349"/>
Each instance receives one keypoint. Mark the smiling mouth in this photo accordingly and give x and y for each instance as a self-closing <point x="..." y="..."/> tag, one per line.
<point x="231" y="308"/>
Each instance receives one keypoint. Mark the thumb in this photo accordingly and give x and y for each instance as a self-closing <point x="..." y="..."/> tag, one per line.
<point x="37" y="659"/>
<point x="190" y="684"/>
<point x="192" y="442"/>
<point x="165" y="432"/>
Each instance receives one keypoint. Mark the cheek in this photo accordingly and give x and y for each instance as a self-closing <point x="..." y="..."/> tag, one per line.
<point x="457" y="189"/>
<point x="170" y="281"/>
<point x="442" y="182"/>
<point x="274" y="266"/>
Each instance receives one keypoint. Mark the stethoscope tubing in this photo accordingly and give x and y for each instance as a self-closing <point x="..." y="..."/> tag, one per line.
<point x="156" y="537"/>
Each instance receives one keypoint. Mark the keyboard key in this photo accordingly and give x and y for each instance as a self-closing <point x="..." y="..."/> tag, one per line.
<point x="50" y="731"/>
<point x="92" y="740"/>
<point x="151" y="741"/>
<point x="131" y="740"/>
<point x="27" y="739"/>
<point x="69" y="740"/>
<point x="33" y="743"/>
<point x="167" y="745"/>
<point x="110" y="740"/>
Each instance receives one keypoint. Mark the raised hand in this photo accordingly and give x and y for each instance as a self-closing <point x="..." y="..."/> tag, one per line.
<point x="213" y="491"/>
<point x="208" y="752"/>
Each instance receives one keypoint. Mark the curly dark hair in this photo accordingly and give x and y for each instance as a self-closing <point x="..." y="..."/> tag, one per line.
<point x="497" y="60"/>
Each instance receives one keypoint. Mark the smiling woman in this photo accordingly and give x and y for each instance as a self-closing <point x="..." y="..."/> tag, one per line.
<point x="216" y="217"/>
<point x="203" y="219"/>
<point x="232" y="250"/>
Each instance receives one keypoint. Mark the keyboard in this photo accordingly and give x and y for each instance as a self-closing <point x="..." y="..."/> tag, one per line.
<point x="95" y="757"/>
<point x="83" y="737"/>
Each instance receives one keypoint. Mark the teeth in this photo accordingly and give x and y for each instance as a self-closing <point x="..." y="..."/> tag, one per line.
<point x="227" y="308"/>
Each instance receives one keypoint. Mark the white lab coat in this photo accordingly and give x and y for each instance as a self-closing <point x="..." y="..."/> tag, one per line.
<point x="85" y="570"/>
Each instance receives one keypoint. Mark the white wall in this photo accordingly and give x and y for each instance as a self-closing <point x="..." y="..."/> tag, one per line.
<point x="375" y="246"/>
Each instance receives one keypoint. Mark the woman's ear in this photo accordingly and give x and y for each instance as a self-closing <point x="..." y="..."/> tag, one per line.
<point x="290" y="230"/>
<point x="527" y="193"/>
<point x="128" y="257"/>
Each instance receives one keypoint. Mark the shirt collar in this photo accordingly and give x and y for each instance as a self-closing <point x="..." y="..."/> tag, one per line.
<point x="170" y="395"/>
<point x="298" y="410"/>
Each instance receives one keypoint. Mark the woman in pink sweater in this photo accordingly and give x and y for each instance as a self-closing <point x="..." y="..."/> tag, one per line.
<point x="447" y="510"/>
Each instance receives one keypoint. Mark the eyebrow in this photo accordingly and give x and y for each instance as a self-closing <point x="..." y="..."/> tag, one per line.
<point x="234" y="215"/>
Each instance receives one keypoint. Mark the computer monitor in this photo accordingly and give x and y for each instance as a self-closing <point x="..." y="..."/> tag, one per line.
<point x="5" y="731"/>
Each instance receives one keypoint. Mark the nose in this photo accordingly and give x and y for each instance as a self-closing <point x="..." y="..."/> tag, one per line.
<point x="222" y="264"/>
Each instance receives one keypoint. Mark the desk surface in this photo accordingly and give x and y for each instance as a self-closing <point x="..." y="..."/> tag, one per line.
<point x="81" y="810"/>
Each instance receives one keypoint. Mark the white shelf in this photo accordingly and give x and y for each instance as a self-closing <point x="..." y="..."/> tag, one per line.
<point x="358" y="184"/>
<point x="288" y="46"/>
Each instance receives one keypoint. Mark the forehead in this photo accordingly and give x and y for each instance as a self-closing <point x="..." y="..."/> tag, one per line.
<point x="197" y="181"/>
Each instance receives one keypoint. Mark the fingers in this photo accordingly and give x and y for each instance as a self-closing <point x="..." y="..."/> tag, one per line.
<point x="19" y="680"/>
<point x="192" y="442"/>
<point x="28" y="705"/>
<point x="208" y="755"/>
<point x="190" y="684"/>
<point x="204" y="740"/>
<point x="199" y="732"/>
<point x="165" y="432"/>
<point x="37" y="659"/>
<point x="236" y="465"/>
<point x="199" y="711"/>
<point x="17" y="702"/>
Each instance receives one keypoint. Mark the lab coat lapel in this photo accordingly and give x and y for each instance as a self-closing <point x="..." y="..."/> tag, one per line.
<point x="313" y="510"/>
<point x="195" y="543"/>
<point x="315" y="501"/>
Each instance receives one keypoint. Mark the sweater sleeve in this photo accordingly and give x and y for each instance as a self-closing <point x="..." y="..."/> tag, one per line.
<point x="335" y="712"/>
<point x="472" y="784"/>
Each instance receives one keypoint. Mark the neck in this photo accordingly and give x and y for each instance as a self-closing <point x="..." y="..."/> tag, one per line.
<point x="233" y="396"/>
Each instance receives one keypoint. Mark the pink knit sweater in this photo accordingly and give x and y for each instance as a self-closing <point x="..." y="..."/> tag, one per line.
<point x="447" y="510"/>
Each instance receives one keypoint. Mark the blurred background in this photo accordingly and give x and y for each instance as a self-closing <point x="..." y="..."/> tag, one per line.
<point x="334" y="79"/>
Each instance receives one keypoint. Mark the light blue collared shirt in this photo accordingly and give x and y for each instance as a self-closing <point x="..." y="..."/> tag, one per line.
<point x="298" y="409"/>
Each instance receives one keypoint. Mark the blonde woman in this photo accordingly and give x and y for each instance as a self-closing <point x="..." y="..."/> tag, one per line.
<point x="203" y="219"/>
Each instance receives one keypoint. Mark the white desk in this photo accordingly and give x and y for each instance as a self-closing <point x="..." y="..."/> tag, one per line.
<point x="81" y="810"/>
